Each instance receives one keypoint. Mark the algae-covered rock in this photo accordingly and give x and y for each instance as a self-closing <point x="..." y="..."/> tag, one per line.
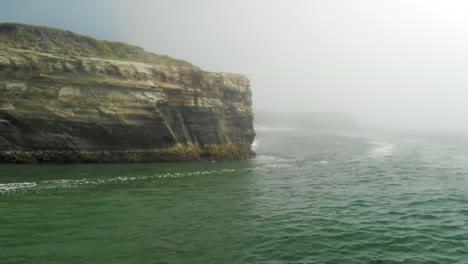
<point x="70" y="98"/>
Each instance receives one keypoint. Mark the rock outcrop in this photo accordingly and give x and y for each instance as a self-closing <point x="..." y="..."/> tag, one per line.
<point x="70" y="98"/>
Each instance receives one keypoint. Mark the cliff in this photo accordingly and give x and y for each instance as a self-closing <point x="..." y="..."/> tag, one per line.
<point x="69" y="98"/>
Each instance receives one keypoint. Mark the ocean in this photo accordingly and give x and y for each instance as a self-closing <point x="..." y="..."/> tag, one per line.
<point x="308" y="197"/>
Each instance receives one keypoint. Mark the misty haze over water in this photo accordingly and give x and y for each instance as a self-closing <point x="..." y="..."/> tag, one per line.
<point x="361" y="121"/>
<point x="396" y="64"/>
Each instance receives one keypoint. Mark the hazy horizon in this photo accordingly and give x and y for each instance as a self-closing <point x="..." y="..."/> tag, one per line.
<point x="395" y="64"/>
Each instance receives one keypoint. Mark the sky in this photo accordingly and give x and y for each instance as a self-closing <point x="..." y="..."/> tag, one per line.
<point x="395" y="64"/>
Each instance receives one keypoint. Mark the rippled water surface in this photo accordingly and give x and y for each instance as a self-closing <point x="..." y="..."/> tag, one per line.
<point x="306" y="198"/>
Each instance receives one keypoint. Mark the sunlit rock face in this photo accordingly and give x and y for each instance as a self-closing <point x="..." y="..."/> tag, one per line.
<point x="63" y="105"/>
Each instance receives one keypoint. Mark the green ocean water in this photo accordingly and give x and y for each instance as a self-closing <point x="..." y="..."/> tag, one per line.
<point x="306" y="198"/>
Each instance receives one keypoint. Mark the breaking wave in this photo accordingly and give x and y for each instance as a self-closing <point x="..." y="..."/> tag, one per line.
<point x="381" y="149"/>
<point x="265" y="128"/>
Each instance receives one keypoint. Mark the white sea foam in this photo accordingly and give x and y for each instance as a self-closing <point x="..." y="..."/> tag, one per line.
<point x="5" y="187"/>
<point x="256" y="143"/>
<point x="317" y="162"/>
<point x="381" y="149"/>
<point x="270" y="159"/>
<point x="276" y="166"/>
<point x="77" y="183"/>
<point x="265" y="128"/>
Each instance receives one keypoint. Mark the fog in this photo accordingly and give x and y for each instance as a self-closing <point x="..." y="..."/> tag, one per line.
<point x="397" y="64"/>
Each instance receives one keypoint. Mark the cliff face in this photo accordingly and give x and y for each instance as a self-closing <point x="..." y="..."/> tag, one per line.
<point x="58" y="107"/>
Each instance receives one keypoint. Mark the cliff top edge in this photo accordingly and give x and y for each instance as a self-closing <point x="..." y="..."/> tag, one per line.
<point x="64" y="42"/>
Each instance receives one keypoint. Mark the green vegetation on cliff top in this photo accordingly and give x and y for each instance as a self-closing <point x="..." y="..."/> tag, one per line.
<point x="59" y="41"/>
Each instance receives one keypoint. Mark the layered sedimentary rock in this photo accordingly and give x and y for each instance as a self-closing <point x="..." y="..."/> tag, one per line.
<point x="102" y="103"/>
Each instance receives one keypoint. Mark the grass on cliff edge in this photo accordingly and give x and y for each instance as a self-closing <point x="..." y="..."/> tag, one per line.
<point x="59" y="41"/>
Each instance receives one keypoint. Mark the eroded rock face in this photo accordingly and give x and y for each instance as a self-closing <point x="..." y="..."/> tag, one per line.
<point x="64" y="108"/>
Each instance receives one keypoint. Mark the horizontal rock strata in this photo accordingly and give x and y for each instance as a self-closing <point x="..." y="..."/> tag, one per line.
<point x="64" y="108"/>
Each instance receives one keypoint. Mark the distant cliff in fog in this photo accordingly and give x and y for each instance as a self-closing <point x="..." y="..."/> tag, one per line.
<point x="316" y="120"/>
